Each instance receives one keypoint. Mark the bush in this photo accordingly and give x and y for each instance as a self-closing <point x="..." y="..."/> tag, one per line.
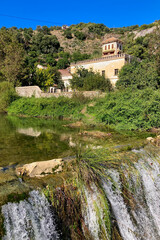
<point x="68" y="33"/>
<point x="87" y="80"/>
<point x="138" y="75"/>
<point x="7" y="95"/>
<point x="46" y="107"/>
<point x="80" y="35"/>
<point x="129" y="110"/>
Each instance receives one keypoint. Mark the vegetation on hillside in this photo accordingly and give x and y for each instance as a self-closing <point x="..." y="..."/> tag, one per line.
<point x="22" y="49"/>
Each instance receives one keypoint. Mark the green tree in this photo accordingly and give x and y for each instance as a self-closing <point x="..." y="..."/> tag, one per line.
<point x="68" y="33"/>
<point x="80" y="35"/>
<point x="11" y="56"/>
<point x="138" y="75"/>
<point x="87" y="80"/>
<point x="77" y="56"/>
<point x="47" y="77"/>
<point x="44" y="44"/>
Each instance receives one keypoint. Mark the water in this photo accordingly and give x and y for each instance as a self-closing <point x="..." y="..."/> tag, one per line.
<point x="27" y="140"/>
<point x="141" y="221"/>
<point x="30" y="219"/>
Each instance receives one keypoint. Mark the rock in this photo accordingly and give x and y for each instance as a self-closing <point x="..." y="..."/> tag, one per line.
<point x="155" y="141"/>
<point x="155" y="130"/>
<point x="150" y="139"/>
<point x="40" y="169"/>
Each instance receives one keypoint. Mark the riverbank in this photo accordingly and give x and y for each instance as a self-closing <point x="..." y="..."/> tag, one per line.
<point x="123" y="110"/>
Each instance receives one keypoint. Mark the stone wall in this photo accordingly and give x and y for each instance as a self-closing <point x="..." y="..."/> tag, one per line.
<point x="30" y="91"/>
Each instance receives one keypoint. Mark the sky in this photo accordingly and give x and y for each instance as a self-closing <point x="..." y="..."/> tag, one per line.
<point x="112" y="13"/>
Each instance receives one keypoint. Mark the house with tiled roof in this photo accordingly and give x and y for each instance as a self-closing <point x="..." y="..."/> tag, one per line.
<point x="66" y="77"/>
<point x="112" y="60"/>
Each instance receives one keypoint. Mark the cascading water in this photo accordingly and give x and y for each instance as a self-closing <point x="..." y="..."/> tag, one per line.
<point x="141" y="221"/>
<point x="29" y="219"/>
<point x="136" y="215"/>
<point x="95" y="212"/>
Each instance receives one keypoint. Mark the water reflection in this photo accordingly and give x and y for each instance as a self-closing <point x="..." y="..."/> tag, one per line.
<point x="29" y="132"/>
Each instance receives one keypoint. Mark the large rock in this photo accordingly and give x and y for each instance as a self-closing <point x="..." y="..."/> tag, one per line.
<point x="40" y="169"/>
<point x="155" y="141"/>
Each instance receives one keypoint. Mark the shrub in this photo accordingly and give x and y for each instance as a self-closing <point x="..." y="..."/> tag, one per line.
<point x="129" y="110"/>
<point x="7" y="95"/>
<point x="46" y="107"/>
<point x="88" y="80"/>
<point x="80" y="35"/>
<point x="138" y="75"/>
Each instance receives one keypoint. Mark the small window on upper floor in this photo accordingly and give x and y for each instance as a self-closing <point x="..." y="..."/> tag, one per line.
<point x="108" y="46"/>
<point x="116" y="71"/>
<point x="112" y="46"/>
<point x="105" y="48"/>
<point x="103" y="73"/>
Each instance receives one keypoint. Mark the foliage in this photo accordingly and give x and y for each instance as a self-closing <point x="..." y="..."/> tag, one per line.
<point x="99" y="29"/>
<point x="11" y="56"/>
<point x="45" y="44"/>
<point x="47" y="77"/>
<point x="7" y="95"/>
<point x="77" y="56"/>
<point x="63" y="63"/>
<point x="46" y="107"/>
<point x="129" y="109"/>
<point x="80" y="35"/>
<point x="139" y="75"/>
<point x="88" y="80"/>
<point x="68" y="33"/>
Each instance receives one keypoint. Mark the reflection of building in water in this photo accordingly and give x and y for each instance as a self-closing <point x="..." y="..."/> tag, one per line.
<point x="29" y="132"/>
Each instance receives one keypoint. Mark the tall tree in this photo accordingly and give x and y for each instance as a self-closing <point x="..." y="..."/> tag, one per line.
<point x="11" y="56"/>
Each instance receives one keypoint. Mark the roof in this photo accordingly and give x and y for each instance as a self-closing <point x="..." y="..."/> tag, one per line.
<point x="64" y="72"/>
<point x="112" y="39"/>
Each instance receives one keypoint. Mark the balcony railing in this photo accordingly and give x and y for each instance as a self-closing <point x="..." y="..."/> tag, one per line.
<point x="121" y="55"/>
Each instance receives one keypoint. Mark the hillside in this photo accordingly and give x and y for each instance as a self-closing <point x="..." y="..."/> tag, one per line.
<point x="23" y="49"/>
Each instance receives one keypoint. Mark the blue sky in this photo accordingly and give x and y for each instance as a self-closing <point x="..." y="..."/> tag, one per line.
<point x="113" y="13"/>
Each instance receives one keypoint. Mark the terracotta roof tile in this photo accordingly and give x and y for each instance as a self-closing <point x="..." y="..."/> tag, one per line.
<point x="112" y="39"/>
<point x="64" y="72"/>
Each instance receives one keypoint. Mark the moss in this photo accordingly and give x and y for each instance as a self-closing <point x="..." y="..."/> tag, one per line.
<point x="14" y="197"/>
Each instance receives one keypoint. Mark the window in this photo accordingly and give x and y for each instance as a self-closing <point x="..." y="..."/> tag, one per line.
<point x="108" y="46"/>
<point x="105" y="47"/>
<point x="112" y="46"/>
<point x="103" y="73"/>
<point x="116" y="71"/>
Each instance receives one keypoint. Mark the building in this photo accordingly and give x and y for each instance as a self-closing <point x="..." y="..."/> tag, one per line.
<point x="109" y="64"/>
<point x="66" y="77"/>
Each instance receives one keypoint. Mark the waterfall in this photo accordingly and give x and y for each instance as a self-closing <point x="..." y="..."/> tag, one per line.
<point x="95" y="212"/>
<point x="29" y="219"/>
<point x="141" y="222"/>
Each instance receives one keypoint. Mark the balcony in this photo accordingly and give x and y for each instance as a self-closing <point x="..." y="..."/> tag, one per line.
<point x="109" y="50"/>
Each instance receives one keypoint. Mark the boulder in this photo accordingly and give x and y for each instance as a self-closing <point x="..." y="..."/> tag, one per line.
<point x="40" y="169"/>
